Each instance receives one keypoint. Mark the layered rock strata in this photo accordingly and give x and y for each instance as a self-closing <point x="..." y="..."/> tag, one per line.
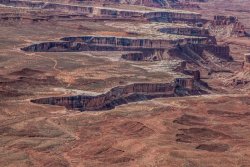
<point x="247" y="59"/>
<point x="104" y="12"/>
<point x="230" y="24"/>
<point x="155" y="55"/>
<point x="94" y="43"/>
<point x="190" y="31"/>
<point x="124" y="94"/>
<point x="220" y="51"/>
<point x="186" y="31"/>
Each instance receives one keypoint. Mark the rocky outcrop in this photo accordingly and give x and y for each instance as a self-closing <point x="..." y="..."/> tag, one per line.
<point x="220" y="51"/>
<point x="69" y="8"/>
<point x="194" y="0"/>
<point x="167" y="16"/>
<point x="103" y="12"/>
<point x="186" y="31"/>
<point x="78" y="47"/>
<point x="173" y="17"/>
<point x="48" y="6"/>
<point x="207" y="58"/>
<point x="155" y="55"/>
<point x="124" y="94"/>
<point x="114" y="97"/>
<point x="150" y="3"/>
<point x="31" y="18"/>
<point x="195" y="73"/>
<point x="243" y="77"/>
<point x="247" y="58"/>
<point x="102" y="43"/>
<point x="134" y="42"/>
<point x="227" y="25"/>
<point x="184" y="5"/>
<point x="247" y="63"/>
<point x="17" y="3"/>
<point x="115" y="13"/>
<point x="224" y="20"/>
<point x="190" y="31"/>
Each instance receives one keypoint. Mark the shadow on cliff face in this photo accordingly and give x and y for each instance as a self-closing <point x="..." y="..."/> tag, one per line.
<point x="124" y="95"/>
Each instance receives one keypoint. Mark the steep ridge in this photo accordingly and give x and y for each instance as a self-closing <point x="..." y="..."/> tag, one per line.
<point x="156" y="55"/>
<point x="176" y="4"/>
<point x="226" y="26"/>
<point x="95" y="43"/>
<point x="106" y="12"/>
<point x="125" y="94"/>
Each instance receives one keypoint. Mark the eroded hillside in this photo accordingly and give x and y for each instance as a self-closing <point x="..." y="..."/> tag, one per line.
<point x="124" y="83"/>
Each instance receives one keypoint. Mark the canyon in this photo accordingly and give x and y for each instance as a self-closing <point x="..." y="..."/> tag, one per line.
<point x="124" y="83"/>
<point x="126" y="94"/>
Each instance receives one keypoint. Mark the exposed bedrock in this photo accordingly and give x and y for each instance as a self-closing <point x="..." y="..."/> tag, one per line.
<point x="100" y="43"/>
<point x="172" y="16"/>
<point x="224" y="20"/>
<point x="198" y="32"/>
<point x="227" y="25"/>
<point x="221" y="51"/>
<point x="30" y="18"/>
<point x="247" y="62"/>
<point x="150" y="3"/>
<point x="154" y="55"/>
<point x="70" y="8"/>
<point x="125" y="94"/>
<point x="196" y="50"/>
<point x="195" y="73"/>
<point x="48" y="5"/>
<point x="195" y="0"/>
<point x="243" y="77"/>
<point x="15" y="3"/>
<point x="78" y="47"/>
<point x="184" y="5"/>
<point x="186" y="31"/>
<point x="107" y="12"/>
<point x="134" y="42"/>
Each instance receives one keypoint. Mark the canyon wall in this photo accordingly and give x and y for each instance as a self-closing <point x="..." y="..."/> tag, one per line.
<point x="95" y="43"/>
<point x="48" y="6"/>
<point x="15" y="3"/>
<point x="104" y="12"/>
<point x="184" y="5"/>
<point x="114" y="97"/>
<point x="186" y="31"/>
<point x="173" y="16"/>
<point x="220" y="51"/>
<point x="154" y="55"/>
<point x="135" y="42"/>
<point x="69" y="8"/>
<point x="149" y="3"/>
<point x="190" y="31"/>
<point x="231" y="23"/>
<point x="247" y="62"/>
<point x="123" y="95"/>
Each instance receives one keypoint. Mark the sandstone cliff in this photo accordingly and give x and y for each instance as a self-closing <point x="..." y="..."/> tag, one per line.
<point x="124" y="94"/>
